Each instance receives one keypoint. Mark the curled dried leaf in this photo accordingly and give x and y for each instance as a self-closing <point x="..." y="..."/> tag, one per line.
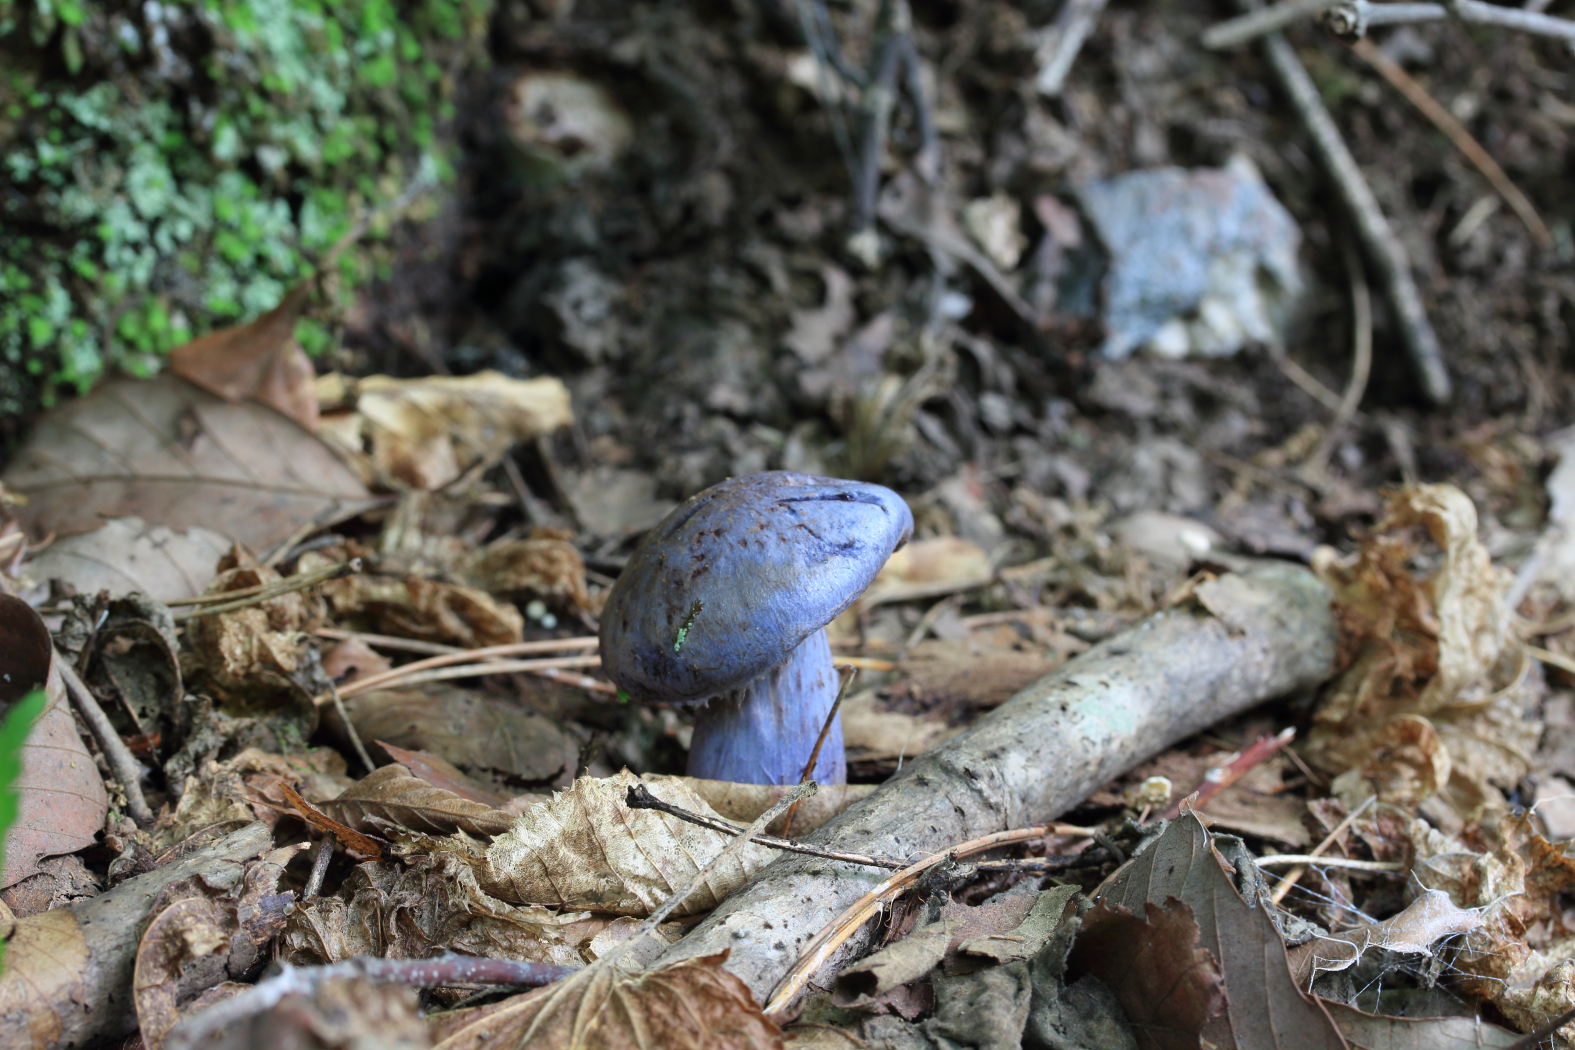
<point x="584" y="848"/>
<point x="392" y="793"/>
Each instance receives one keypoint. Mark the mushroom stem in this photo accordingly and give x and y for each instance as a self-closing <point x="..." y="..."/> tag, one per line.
<point x="764" y="732"/>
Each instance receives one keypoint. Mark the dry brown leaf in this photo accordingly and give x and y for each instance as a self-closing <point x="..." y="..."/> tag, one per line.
<point x="356" y="844"/>
<point x="441" y="773"/>
<point x="128" y="554"/>
<point x="896" y="964"/>
<point x="255" y="655"/>
<point x="1423" y="923"/>
<point x="61" y="802"/>
<point x="426" y="432"/>
<point x="929" y="567"/>
<point x="1433" y="697"/>
<point x="495" y="739"/>
<point x="393" y="794"/>
<point x="172" y="454"/>
<point x="257" y="361"/>
<point x="1169" y="987"/>
<point x="584" y="848"/>
<point x="690" y="1005"/>
<point x="549" y="568"/>
<point x="426" y="906"/>
<point x="1265" y="1007"/>
<point x="873" y="734"/>
<point x="1366" y="1032"/>
<point x="942" y="674"/>
<point x="418" y="608"/>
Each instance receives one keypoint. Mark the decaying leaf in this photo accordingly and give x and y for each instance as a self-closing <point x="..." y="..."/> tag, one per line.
<point x="1265" y="1008"/>
<point x="128" y="554"/>
<point x="1436" y="695"/>
<point x="419" y="608"/>
<point x="428" y="906"/>
<point x="441" y="773"/>
<point x="1169" y="987"/>
<point x="690" y="1005"/>
<point x="257" y="656"/>
<point x="257" y="361"/>
<point x="61" y="802"/>
<point x="218" y="793"/>
<point x="354" y="843"/>
<point x="1024" y="940"/>
<point x="896" y="964"/>
<point x="873" y="733"/>
<point x="545" y="567"/>
<point x="392" y="793"/>
<point x="929" y="567"/>
<point x="495" y="739"/>
<point x="170" y="453"/>
<point x="584" y="848"/>
<point x="339" y="1015"/>
<point x="426" y="432"/>
<point x="1426" y="921"/>
<point x="200" y="942"/>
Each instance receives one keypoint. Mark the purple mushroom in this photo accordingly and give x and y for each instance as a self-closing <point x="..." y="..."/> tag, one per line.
<point x="726" y="603"/>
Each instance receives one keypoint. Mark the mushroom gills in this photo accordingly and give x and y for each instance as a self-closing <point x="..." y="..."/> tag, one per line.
<point x="764" y="732"/>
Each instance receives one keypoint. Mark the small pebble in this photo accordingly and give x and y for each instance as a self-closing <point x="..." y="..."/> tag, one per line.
<point x="535" y="608"/>
<point x="548" y="621"/>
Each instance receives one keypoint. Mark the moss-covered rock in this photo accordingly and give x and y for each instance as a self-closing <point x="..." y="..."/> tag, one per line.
<point x="169" y="166"/>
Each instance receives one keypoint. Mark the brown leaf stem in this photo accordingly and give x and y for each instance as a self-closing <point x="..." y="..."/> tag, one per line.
<point x="231" y="600"/>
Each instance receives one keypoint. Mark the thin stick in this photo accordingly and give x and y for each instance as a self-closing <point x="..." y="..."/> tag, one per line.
<point x="1356" y="17"/>
<point x="444" y="674"/>
<point x="1221" y="777"/>
<point x="1535" y="1039"/>
<point x="824" y="944"/>
<point x="1060" y="44"/>
<point x="1462" y="139"/>
<point x="640" y="797"/>
<point x="197" y="1029"/>
<point x="847" y="672"/>
<point x="121" y="761"/>
<point x="230" y="601"/>
<point x="1292" y="877"/>
<point x="461" y="656"/>
<point x="1276" y="859"/>
<point x="1383" y="248"/>
<point x="350" y="730"/>
<point x="1361" y="363"/>
<point x="586" y="682"/>
<point x="1089" y="858"/>
<point x="314" y="882"/>
<point x="1234" y="32"/>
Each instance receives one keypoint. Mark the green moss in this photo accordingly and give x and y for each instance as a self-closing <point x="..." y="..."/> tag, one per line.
<point x="166" y="169"/>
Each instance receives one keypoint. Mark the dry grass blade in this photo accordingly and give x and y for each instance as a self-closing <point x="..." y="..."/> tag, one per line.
<point x="1445" y="121"/>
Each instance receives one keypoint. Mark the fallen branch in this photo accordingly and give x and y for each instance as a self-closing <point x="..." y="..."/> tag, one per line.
<point x="68" y="970"/>
<point x="1244" y="639"/>
<point x="1384" y="249"/>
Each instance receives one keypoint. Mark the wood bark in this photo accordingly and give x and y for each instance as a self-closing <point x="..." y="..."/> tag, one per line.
<point x="67" y="978"/>
<point x="1239" y="640"/>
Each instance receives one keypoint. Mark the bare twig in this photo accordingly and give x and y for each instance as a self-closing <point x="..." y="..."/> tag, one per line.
<point x="1236" y="31"/>
<point x="824" y="944"/>
<point x="1276" y="859"/>
<point x="557" y="674"/>
<point x="214" y="604"/>
<point x="1292" y="877"/>
<point x="1361" y="364"/>
<point x="470" y="670"/>
<point x="1356" y="17"/>
<point x="1089" y="858"/>
<point x="350" y="729"/>
<point x="640" y="797"/>
<point x="1546" y="1032"/>
<point x="1060" y="43"/>
<point x="1221" y="777"/>
<point x="847" y="673"/>
<point x="314" y="882"/>
<point x="196" y="1029"/>
<point x="1383" y="247"/>
<point x="1462" y="139"/>
<point x="121" y="761"/>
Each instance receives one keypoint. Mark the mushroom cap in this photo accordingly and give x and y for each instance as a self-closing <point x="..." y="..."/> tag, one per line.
<point x="735" y="578"/>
